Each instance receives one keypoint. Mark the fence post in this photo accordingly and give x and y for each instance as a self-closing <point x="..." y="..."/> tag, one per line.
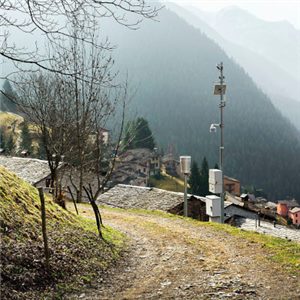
<point x="44" y="230"/>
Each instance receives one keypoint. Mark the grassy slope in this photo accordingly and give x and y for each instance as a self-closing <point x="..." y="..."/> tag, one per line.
<point x="77" y="253"/>
<point x="168" y="183"/>
<point x="8" y="118"/>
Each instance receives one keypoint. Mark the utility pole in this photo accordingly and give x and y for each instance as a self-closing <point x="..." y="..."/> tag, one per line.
<point x="222" y="104"/>
<point x="185" y="165"/>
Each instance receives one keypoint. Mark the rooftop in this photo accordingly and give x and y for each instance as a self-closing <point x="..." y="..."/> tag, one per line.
<point x="29" y="169"/>
<point x="289" y="203"/>
<point x="230" y="178"/>
<point x="232" y="199"/>
<point x="137" y="154"/>
<point x="295" y="210"/>
<point x="128" y="196"/>
<point x="271" y="204"/>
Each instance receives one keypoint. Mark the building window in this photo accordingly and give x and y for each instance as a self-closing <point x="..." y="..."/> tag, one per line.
<point x="48" y="182"/>
<point x="144" y="169"/>
<point x="157" y="164"/>
<point x="296" y="215"/>
<point x="296" y="221"/>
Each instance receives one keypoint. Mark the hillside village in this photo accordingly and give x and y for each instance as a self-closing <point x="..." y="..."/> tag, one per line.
<point x="130" y="187"/>
<point x="149" y="169"/>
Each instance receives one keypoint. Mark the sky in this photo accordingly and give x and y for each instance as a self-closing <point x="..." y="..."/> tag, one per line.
<point x="268" y="10"/>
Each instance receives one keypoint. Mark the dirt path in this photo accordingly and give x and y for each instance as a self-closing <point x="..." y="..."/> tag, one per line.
<point x="174" y="259"/>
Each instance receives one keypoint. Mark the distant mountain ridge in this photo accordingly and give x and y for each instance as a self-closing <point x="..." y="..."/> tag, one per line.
<point x="278" y="42"/>
<point x="273" y="80"/>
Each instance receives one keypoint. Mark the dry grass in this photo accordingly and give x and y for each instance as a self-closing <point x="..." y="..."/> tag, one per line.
<point x="77" y="254"/>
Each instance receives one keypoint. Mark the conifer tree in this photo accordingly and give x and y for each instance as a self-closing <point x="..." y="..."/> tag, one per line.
<point x="41" y="151"/>
<point x="6" y="98"/>
<point x="2" y="141"/>
<point x="194" y="179"/>
<point x="128" y="135"/>
<point x="137" y="134"/>
<point x="26" y="143"/>
<point x="11" y="145"/>
<point x="144" y="137"/>
<point x="204" y="188"/>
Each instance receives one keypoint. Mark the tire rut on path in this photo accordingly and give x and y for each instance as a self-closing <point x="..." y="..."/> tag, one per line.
<point x="175" y="259"/>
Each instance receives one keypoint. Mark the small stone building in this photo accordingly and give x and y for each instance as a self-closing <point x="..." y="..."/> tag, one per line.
<point x="34" y="171"/>
<point x="128" y="196"/>
<point x="196" y="209"/>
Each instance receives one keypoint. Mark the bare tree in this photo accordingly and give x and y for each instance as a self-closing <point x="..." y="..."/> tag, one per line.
<point x="71" y="112"/>
<point x="50" y="20"/>
<point x="43" y="98"/>
<point x="94" y="95"/>
<point x="123" y="98"/>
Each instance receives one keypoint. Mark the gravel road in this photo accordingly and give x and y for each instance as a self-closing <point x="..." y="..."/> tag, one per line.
<point x="175" y="259"/>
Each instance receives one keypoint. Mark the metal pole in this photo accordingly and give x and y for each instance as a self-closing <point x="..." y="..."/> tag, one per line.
<point x="185" y="196"/>
<point x="221" y="146"/>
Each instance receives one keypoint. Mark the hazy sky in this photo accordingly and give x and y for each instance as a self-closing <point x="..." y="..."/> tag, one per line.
<point x="268" y="10"/>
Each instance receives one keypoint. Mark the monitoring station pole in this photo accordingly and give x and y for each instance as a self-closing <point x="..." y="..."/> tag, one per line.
<point x="222" y="104"/>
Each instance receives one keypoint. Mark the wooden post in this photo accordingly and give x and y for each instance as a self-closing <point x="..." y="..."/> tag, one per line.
<point x="46" y="249"/>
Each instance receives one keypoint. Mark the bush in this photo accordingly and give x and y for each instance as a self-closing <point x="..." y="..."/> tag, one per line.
<point x="158" y="176"/>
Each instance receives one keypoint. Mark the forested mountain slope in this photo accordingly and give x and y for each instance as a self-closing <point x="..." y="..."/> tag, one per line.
<point x="280" y="86"/>
<point x="173" y="65"/>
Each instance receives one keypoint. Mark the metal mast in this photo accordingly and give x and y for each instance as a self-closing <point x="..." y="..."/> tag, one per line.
<point x="222" y="104"/>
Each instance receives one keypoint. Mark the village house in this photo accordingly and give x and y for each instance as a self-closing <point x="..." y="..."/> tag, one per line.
<point x="232" y="186"/>
<point x="284" y="206"/>
<point x="37" y="173"/>
<point x="271" y="205"/>
<point x="145" y="160"/>
<point x="171" y="165"/>
<point x="129" y="176"/>
<point x="128" y="196"/>
<point x="102" y="135"/>
<point x="294" y="214"/>
<point x="34" y="171"/>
